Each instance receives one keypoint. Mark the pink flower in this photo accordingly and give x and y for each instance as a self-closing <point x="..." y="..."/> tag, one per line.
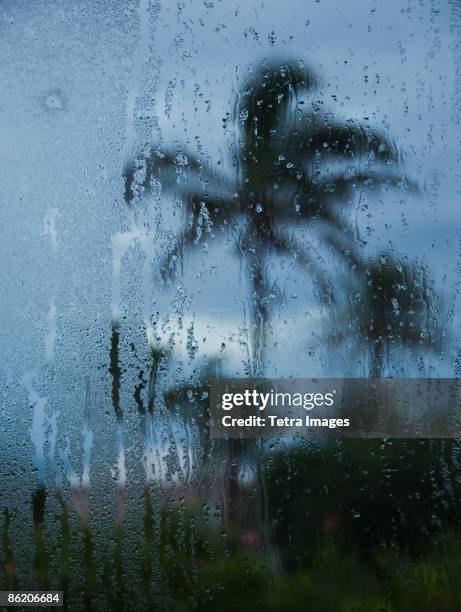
<point x="249" y="539"/>
<point x="330" y="522"/>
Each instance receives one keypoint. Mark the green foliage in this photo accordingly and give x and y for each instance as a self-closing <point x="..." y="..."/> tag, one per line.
<point x="367" y="493"/>
<point x="429" y="584"/>
<point x="183" y="561"/>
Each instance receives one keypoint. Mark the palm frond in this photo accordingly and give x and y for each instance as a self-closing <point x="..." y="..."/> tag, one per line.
<point x="317" y="197"/>
<point x="342" y="186"/>
<point x="205" y="217"/>
<point x="175" y="170"/>
<point x="348" y="139"/>
<point x="285" y="245"/>
<point x="306" y="199"/>
<point x="346" y="248"/>
<point x="399" y="303"/>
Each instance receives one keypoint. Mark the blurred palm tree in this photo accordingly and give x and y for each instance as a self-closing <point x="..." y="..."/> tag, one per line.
<point x="294" y="163"/>
<point x="393" y="307"/>
<point x="397" y="310"/>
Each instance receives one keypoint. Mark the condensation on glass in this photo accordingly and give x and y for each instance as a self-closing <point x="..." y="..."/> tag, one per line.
<point x="197" y="190"/>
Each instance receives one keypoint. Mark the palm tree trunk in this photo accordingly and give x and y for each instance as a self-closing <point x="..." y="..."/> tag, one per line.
<point x="256" y="248"/>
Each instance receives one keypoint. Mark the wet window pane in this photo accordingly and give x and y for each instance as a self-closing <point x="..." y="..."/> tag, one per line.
<point x="201" y="191"/>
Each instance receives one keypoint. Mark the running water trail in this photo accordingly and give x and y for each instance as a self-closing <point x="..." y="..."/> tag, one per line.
<point x="39" y="426"/>
<point x="80" y="485"/>
<point x="138" y="135"/>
